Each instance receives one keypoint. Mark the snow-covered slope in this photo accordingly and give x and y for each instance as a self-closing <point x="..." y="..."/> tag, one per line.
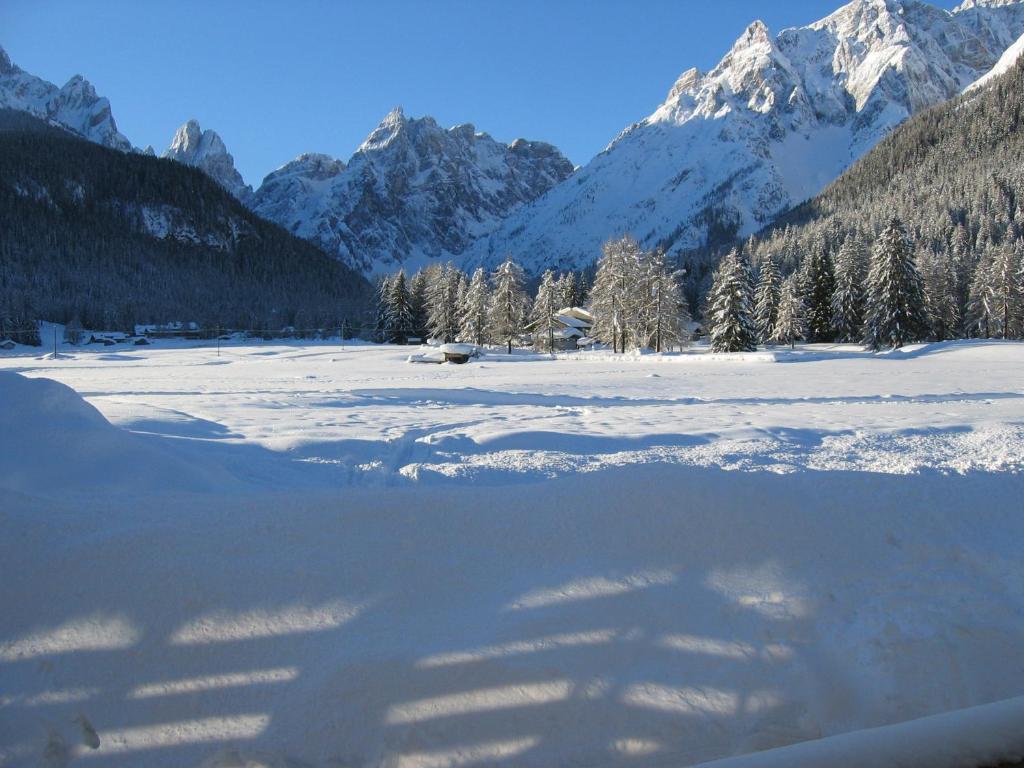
<point x="1005" y="63"/>
<point x="774" y="122"/>
<point x="205" y="150"/>
<point x="76" y="106"/>
<point x="411" y="192"/>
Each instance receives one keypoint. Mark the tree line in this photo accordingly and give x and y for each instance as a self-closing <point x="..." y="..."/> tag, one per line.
<point x="635" y="298"/>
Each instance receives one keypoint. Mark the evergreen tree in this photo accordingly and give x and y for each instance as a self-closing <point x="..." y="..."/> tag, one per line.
<point x="981" y="301"/>
<point x="566" y="289"/>
<point x="848" y="297"/>
<point x="398" y="318"/>
<point x="790" y="325"/>
<point x="766" y="298"/>
<point x="473" y="309"/>
<point x="820" y="286"/>
<point x="731" y="320"/>
<point x="508" y="304"/>
<point x="418" y="304"/>
<point x="542" y="315"/>
<point x="895" y="310"/>
<point x="666" y="312"/>
<point x="613" y="297"/>
<point x="940" y="295"/>
<point x="443" y="302"/>
<point x="1007" y="292"/>
<point x="382" y="295"/>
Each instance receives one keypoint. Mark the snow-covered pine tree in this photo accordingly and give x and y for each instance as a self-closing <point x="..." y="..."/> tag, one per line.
<point x="418" y="304"/>
<point x="895" y="310"/>
<point x="730" y="316"/>
<point x="766" y="298"/>
<point x="613" y="298"/>
<point x="542" y="315"/>
<point x="565" y="286"/>
<point x="848" y="297"/>
<point x="382" y="296"/>
<point x="443" y="302"/>
<point x="981" y="298"/>
<point x="398" y="313"/>
<point x="473" y="309"/>
<point x="790" y="325"/>
<point x="940" y="295"/>
<point x="1007" y="291"/>
<point x="820" y="285"/>
<point x="508" y="304"/>
<point x="667" y="312"/>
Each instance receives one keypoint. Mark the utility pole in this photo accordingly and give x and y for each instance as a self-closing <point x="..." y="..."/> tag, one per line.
<point x="217" y="330"/>
<point x="55" y="342"/>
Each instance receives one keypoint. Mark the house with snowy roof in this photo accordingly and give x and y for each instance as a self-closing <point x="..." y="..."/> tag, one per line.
<point x="572" y="328"/>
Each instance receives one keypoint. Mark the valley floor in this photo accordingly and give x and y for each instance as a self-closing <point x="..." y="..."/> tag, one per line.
<point x="299" y="554"/>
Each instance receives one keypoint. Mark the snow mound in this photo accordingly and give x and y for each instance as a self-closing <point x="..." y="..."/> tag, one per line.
<point x="984" y="735"/>
<point x="53" y="440"/>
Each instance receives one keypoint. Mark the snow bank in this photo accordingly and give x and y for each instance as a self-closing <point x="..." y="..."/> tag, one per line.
<point x="52" y="440"/>
<point x="987" y="735"/>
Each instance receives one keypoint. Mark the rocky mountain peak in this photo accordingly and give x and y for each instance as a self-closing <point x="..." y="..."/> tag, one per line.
<point x="76" y="106"/>
<point x="774" y="122"/>
<point x="412" y="192"/>
<point x="206" y="151"/>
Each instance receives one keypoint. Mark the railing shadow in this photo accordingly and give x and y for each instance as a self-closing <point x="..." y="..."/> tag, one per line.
<point x="642" y="616"/>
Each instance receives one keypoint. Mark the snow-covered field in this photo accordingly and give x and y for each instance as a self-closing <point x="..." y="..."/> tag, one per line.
<point x="309" y="555"/>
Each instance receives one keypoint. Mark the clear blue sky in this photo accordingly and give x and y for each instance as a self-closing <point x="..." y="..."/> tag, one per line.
<point x="276" y="79"/>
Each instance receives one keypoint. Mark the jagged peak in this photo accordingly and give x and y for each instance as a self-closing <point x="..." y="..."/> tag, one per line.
<point x="966" y="5"/>
<point x="684" y="82"/>
<point x="755" y="34"/>
<point x="79" y="85"/>
<point x="6" y="66"/>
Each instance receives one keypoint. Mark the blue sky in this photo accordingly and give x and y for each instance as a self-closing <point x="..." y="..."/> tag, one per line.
<point x="276" y="79"/>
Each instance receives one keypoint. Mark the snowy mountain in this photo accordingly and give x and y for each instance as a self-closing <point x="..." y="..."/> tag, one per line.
<point x="774" y="122"/>
<point x="76" y="106"/>
<point x="1005" y="63"/>
<point x="413" y="191"/>
<point x="205" y="150"/>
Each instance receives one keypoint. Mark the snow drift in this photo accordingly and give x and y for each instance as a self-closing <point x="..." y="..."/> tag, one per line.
<point x="52" y="440"/>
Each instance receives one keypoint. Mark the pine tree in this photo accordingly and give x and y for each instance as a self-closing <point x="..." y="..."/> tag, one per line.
<point x="566" y="289"/>
<point x="766" y="299"/>
<point x="542" y="315"/>
<point x="1007" y="292"/>
<point x="508" y="304"/>
<point x="613" y="298"/>
<point x="418" y="304"/>
<point x="820" y="286"/>
<point x="848" y="297"/>
<point x="790" y="324"/>
<point x="940" y="295"/>
<point x="381" y="316"/>
<point x="666" y="312"/>
<point x="398" y="318"/>
<point x="895" y="309"/>
<point x="473" y="309"/>
<point x="443" y="302"/>
<point x="732" y="324"/>
<point x="981" y="301"/>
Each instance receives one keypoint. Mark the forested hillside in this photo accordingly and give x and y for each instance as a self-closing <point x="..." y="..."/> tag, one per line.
<point x="954" y="175"/>
<point x="109" y="239"/>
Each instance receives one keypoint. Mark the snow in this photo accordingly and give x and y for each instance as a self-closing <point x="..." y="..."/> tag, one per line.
<point x="1004" y="65"/>
<point x="984" y="735"/>
<point x="303" y="553"/>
